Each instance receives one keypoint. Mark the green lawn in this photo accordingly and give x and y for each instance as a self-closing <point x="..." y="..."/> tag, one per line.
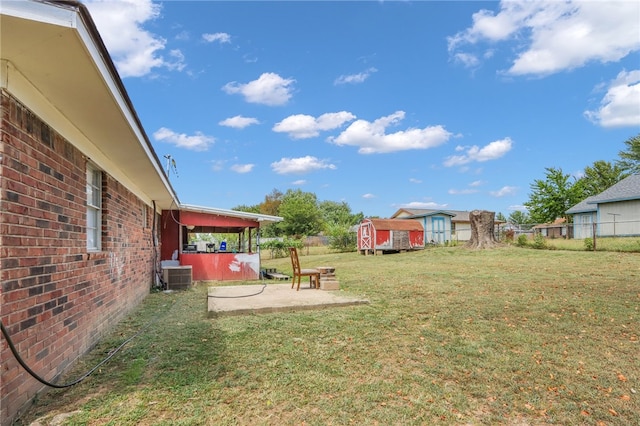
<point x="452" y="336"/>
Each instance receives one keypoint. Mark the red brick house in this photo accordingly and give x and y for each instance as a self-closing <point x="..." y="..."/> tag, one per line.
<point x="81" y="189"/>
<point x="82" y="194"/>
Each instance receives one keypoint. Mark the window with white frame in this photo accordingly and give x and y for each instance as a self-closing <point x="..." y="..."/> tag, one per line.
<point x="94" y="208"/>
<point x="145" y="216"/>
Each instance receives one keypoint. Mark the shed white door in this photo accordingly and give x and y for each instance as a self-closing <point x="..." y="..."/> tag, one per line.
<point x="366" y="230"/>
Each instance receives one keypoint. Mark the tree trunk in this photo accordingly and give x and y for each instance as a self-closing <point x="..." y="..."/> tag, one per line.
<point x="482" y="230"/>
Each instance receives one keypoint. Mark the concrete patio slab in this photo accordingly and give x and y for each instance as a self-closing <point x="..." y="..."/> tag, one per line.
<point x="266" y="298"/>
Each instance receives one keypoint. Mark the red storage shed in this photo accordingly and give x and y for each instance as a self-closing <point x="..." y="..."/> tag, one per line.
<point x="378" y="236"/>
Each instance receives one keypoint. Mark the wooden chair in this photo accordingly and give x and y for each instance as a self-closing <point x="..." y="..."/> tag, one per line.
<point x="298" y="273"/>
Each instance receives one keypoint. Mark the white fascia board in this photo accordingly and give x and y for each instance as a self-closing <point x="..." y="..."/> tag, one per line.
<point x="99" y="61"/>
<point x="41" y="12"/>
<point x="231" y="213"/>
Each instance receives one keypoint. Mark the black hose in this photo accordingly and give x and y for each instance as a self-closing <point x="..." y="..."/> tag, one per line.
<point x="238" y="297"/>
<point x="75" y="382"/>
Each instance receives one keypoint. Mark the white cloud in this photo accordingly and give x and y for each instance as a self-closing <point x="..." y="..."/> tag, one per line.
<point x="300" y="165"/>
<point x="462" y="191"/>
<point x="183" y="35"/>
<point x="554" y="35"/>
<point x="268" y="89"/>
<point x="134" y="50"/>
<point x="371" y="137"/>
<point x="504" y="191"/>
<point x="354" y="78"/>
<point x="368" y="196"/>
<point x="242" y="168"/>
<point x="217" y="165"/>
<point x="197" y="142"/>
<point x="477" y="183"/>
<point x="217" y="37"/>
<point x="178" y="62"/>
<point x="518" y="208"/>
<point x="239" y="122"/>
<point x="299" y="182"/>
<point x="302" y="126"/>
<point x="414" y="180"/>
<point x="423" y="205"/>
<point x="492" y="151"/>
<point x="467" y="59"/>
<point x="620" y="106"/>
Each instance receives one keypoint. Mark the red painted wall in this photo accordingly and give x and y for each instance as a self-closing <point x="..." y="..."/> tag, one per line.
<point x="58" y="300"/>
<point x="222" y="266"/>
<point x="209" y="266"/>
<point x="170" y="230"/>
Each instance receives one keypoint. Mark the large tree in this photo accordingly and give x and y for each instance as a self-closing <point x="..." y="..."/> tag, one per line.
<point x="335" y="213"/>
<point x="521" y="219"/>
<point x="552" y="197"/>
<point x="271" y="203"/>
<point x="630" y="158"/>
<point x="600" y="176"/>
<point x="300" y="213"/>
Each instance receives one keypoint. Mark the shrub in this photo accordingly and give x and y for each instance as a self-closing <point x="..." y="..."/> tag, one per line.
<point x="588" y="244"/>
<point x="341" y="239"/>
<point x="280" y="248"/>
<point x="539" y="241"/>
<point x="522" y="240"/>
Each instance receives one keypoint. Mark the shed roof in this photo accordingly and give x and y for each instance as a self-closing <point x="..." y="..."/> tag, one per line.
<point x="396" y="224"/>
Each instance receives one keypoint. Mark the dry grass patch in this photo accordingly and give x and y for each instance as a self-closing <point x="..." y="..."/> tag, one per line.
<point x="451" y="336"/>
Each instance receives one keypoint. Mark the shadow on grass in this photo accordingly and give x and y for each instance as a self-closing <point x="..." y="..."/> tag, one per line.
<point x="178" y="352"/>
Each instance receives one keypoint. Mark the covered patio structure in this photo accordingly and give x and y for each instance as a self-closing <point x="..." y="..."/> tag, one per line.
<point x="218" y="244"/>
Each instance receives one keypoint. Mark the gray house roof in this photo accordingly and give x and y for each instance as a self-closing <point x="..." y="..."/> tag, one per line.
<point x="461" y="216"/>
<point x="457" y="215"/>
<point x="584" y="206"/>
<point x="627" y="189"/>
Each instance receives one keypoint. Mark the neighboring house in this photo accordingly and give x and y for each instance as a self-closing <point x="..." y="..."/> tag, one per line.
<point x="442" y="226"/>
<point x="615" y="211"/>
<point x="377" y="236"/>
<point x="437" y="224"/>
<point x="559" y="228"/>
<point x="82" y="197"/>
<point x="584" y="218"/>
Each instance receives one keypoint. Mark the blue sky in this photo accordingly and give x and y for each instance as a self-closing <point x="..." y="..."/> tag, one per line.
<point x="384" y="105"/>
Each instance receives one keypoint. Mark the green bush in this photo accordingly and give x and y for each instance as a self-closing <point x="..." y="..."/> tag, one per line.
<point x="539" y="242"/>
<point x="588" y="244"/>
<point x="341" y="239"/>
<point x="522" y="240"/>
<point x="280" y="248"/>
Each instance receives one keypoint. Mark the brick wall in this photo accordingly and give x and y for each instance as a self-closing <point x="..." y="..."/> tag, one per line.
<point x="58" y="299"/>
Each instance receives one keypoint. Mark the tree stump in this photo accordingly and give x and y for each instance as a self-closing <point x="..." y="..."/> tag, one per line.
<point x="482" y="230"/>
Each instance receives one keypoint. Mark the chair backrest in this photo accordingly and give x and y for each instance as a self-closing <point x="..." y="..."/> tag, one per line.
<point x="295" y="263"/>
